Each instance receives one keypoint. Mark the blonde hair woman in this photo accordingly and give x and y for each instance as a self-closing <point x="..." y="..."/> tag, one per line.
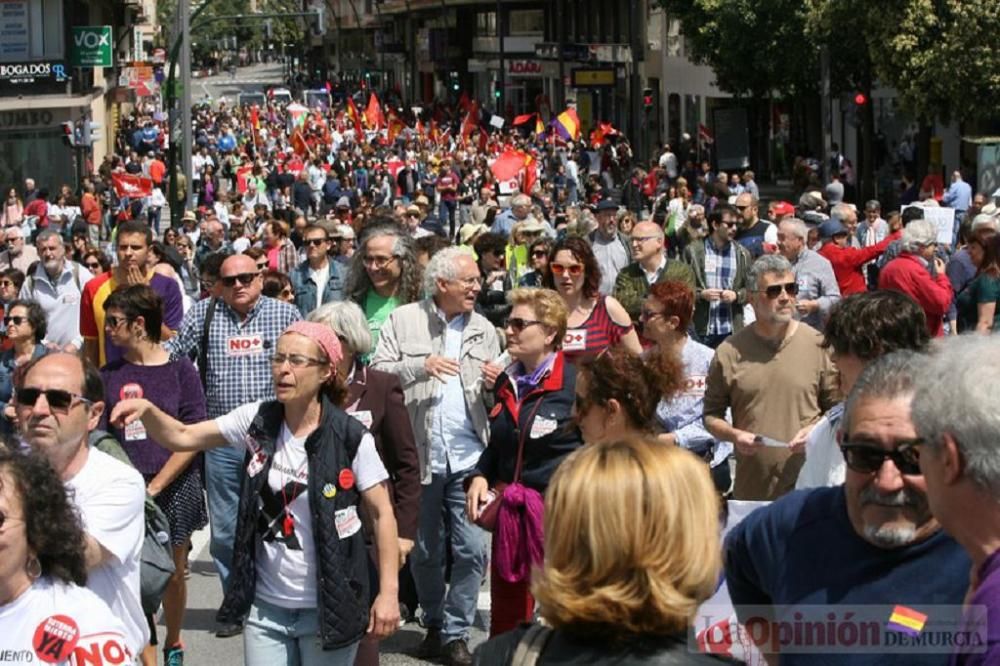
<point x="631" y="551"/>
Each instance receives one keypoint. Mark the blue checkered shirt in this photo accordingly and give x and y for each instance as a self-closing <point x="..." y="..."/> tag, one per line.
<point x="720" y="315"/>
<point x="234" y="378"/>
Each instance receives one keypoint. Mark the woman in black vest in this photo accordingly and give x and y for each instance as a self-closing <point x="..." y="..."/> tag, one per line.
<point x="300" y="569"/>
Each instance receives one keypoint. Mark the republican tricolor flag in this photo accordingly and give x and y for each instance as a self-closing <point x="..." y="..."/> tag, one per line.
<point x="567" y="125"/>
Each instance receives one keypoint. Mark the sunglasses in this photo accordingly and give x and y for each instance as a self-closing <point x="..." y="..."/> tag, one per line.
<point x="244" y="279"/>
<point x="576" y="270"/>
<point x="17" y="321"/>
<point x="6" y="283"/>
<point x="316" y="242"/>
<point x="791" y="288"/>
<point x="539" y="254"/>
<point x="58" y="399"/>
<point x="92" y="265"/>
<point x="262" y="266"/>
<point x="518" y="324"/>
<point x="111" y="321"/>
<point x="869" y="458"/>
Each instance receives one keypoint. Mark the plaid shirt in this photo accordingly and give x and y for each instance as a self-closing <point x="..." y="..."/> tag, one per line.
<point x="239" y="352"/>
<point x="720" y="268"/>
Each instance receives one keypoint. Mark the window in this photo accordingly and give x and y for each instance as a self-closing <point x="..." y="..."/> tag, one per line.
<point x="527" y="22"/>
<point x="31" y="30"/>
<point x="486" y="24"/>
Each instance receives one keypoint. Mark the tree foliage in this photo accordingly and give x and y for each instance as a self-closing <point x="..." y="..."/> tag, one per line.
<point x="939" y="55"/>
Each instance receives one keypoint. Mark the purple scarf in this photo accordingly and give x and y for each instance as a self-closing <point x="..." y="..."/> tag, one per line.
<point x="519" y="532"/>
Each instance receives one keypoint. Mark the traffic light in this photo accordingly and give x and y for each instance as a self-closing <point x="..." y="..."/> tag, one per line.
<point x="860" y="99"/>
<point x="855" y="111"/>
<point x="69" y="134"/>
<point x="90" y="133"/>
<point x="647" y="99"/>
<point x="496" y="94"/>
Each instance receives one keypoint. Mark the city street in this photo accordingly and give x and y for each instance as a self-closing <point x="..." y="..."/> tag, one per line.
<point x="205" y="596"/>
<point x="258" y="77"/>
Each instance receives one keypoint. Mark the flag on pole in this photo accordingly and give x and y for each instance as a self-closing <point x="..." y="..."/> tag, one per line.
<point x="299" y="144"/>
<point x="539" y="125"/>
<point x="601" y="133"/>
<point x="704" y="134"/>
<point x="373" y="114"/>
<point x="567" y="125"/>
<point x="254" y="117"/>
<point x="396" y="125"/>
<point x="355" y="116"/>
<point x="471" y="121"/>
<point x="243" y="174"/>
<point x="520" y="120"/>
<point x="133" y="187"/>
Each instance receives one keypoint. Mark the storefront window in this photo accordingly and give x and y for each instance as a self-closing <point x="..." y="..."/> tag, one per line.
<point x="35" y="153"/>
<point x="486" y="24"/>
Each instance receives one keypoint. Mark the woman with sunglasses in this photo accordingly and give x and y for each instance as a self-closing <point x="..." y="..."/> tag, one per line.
<point x="170" y="237"/>
<point x="43" y="570"/>
<point x="666" y="319"/>
<point x="277" y="285"/>
<point x="26" y="325"/>
<point x="533" y="412"/>
<point x="133" y="321"/>
<point x="595" y="321"/>
<point x="538" y="256"/>
<point x="300" y="567"/>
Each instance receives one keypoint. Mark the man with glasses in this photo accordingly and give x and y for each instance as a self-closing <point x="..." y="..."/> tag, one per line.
<point x="777" y="381"/>
<point x="651" y="266"/>
<point x="17" y="255"/>
<point x="233" y="338"/>
<point x="317" y="280"/>
<point x="440" y="348"/>
<point x="56" y="285"/>
<point x="871" y="541"/>
<point x="720" y="269"/>
<point x="753" y="232"/>
<point x="58" y="401"/>
<point x="213" y="239"/>
<point x="133" y="241"/>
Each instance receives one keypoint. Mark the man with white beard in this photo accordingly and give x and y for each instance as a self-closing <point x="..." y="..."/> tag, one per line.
<point x="56" y="283"/>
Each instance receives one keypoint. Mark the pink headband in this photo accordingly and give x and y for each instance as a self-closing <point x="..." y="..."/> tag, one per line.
<point x="322" y="335"/>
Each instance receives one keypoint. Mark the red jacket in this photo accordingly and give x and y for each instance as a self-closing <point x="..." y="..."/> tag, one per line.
<point x="908" y="274"/>
<point x="847" y="263"/>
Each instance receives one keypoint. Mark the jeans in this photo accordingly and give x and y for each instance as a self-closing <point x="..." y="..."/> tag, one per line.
<point x="453" y="611"/>
<point x="223" y="474"/>
<point x="446" y="213"/>
<point x="275" y="636"/>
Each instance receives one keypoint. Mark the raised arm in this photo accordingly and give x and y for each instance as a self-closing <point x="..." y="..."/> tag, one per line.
<point x="166" y="430"/>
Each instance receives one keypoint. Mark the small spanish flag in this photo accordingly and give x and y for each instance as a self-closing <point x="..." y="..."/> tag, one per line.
<point x="907" y="620"/>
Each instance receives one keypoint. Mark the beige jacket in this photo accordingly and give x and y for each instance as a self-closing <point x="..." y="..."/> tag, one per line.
<point x="411" y="334"/>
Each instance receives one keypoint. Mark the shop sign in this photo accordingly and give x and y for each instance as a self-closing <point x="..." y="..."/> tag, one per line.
<point x="91" y="46"/>
<point x="594" y="77"/>
<point x="524" y="68"/>
<point x="33" y="72"/>
<point x="26" y="118"/>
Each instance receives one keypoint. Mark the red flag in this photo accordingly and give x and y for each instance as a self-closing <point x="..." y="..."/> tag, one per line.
<point x="299" y="144"/>
<point x="507" y="166"/>
<point x="530" y="174"/>
<point x="704" y="134"/>
<point x="471" y="121"/>
<point x="133" y="187"/>
<point x="520" y="120"/>
<point x="352" y="113"/>
<point x="420" y="128"/>
<point x="463" y="102"/>
<point x="242" y="176"/>
<point x="373" y="114"/>
<point x="254" y="118"/>
<point x="396" y="125"/>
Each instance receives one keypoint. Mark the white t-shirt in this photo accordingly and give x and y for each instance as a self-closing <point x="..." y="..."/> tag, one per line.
<point x="824" y="465"/>
<point x="111" y="498"/>
<point x="286" y="558"/>
<point x="320" y="277"/>
<point x="60" y="624"/>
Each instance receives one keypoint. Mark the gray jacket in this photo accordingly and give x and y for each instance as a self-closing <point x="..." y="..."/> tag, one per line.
<point x="411" y="334"/>
<point x="814" y="273"/>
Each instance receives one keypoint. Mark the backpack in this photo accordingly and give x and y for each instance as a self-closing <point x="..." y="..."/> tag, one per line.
<point x="531" y="645"/>
<point x="157" y="559"/>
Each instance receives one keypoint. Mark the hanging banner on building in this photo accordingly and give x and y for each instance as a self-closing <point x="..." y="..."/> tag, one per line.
<point x="91" y="46"/>
<point x="14" y="30"/>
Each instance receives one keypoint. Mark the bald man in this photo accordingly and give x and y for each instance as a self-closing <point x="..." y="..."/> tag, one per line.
<point x="650" y="265"/>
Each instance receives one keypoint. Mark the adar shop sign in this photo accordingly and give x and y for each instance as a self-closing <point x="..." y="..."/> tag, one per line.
<point x="91" y="46"/>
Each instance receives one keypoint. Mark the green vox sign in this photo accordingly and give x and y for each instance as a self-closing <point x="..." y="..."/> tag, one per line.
<point x="91" y="46"/>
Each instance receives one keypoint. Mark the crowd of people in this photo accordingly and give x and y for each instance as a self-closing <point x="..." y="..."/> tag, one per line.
<point x="362" y="353"/>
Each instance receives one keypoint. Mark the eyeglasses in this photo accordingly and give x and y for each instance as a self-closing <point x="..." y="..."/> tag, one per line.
<point x="58" y="399"/>
<point x="868" y="458"/>
<point x="6" y="283"/>
<point x="539" y="254"/>
<point x="517" y="324"/>
<point x="17" y="321"/>
<point x="649" y="315"/>
<point x="377" y="262"/>
<point x="576" y="270"/>
<point x="244" y="278"/>
<point x="111" y="321"/>
<point x="4" y="518"/>
<point x="730" y="223"/>
<point x="635" y="240"/>
<point x="791" y="288"/>
<point x="470" y="283"/>
<point x="92" y="266"/>
<point x="297" y="361"/>
<point x="315" y="242"/>
<point x="742" y="208"/>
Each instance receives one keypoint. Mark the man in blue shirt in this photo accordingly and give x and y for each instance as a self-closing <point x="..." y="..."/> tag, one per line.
<point x="871" y="542"/>
<point x="957" y="196"/>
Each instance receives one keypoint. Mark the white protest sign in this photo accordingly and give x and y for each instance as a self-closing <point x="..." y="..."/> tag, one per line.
<point x="496" y="121"/>
<point x="943" y="220"/>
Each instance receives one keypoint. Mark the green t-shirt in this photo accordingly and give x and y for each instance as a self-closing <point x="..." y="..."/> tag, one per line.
<point x="377" y="310"/>
<point x="983" y="289"/>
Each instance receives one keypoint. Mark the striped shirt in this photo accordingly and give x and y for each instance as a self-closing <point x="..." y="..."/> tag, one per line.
<point x="595" y="335"/>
